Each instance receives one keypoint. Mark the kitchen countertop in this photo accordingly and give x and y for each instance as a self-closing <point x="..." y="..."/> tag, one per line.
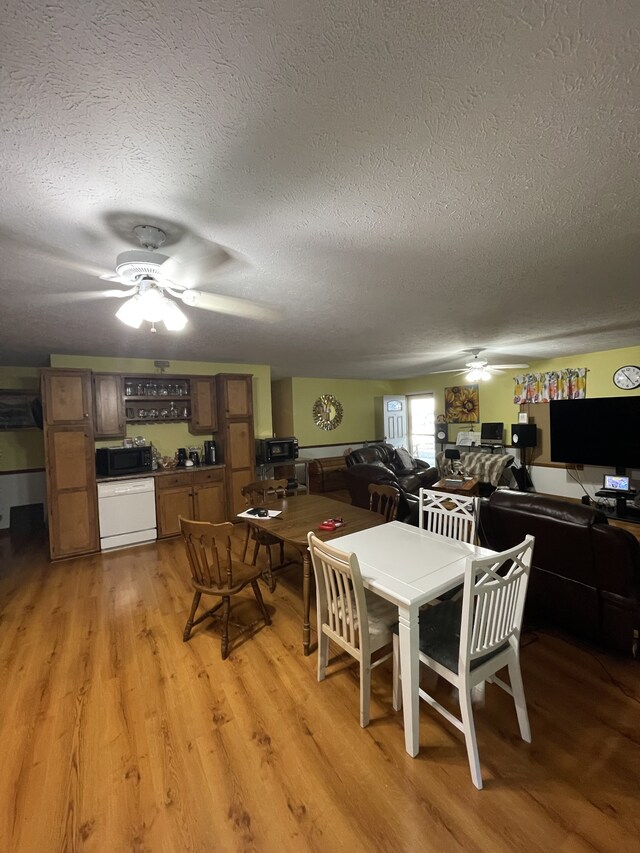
<point x="159" y="473"/>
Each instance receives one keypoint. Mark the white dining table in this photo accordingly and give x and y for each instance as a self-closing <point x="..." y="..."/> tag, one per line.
<point x="409" y="567"/>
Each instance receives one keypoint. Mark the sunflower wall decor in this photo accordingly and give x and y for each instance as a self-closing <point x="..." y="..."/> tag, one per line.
<point x="327" y="412"/>
<point x="462" y="404"/>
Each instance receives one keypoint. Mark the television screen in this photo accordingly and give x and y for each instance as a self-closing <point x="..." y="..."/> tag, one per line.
<point x="491" y="432"/>
<point x="598" y="431"/>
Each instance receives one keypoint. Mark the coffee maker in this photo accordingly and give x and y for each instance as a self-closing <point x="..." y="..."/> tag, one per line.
<point x="182" y="456"/>
<point x="209" y="453"/>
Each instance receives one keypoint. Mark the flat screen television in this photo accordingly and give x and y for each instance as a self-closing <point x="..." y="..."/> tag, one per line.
<point x="598" y="431"/>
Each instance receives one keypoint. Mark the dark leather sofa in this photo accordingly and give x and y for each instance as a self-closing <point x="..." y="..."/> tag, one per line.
<point x="585" y="576"/>
<point x="381" y="463"/>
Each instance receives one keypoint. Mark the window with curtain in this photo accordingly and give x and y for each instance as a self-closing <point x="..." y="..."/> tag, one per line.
<point x="570" y="384"/>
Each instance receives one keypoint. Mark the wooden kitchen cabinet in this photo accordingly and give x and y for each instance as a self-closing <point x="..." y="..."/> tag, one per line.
<point x="236" y="394"/>
<point x="235" y="435"/>
<point x="198" y="494"/>
<point x="209" y="497"/>
<point x="66" y="396"/>
<point x="70" y="462"/>
<point x="203" y="406"/>
<point x="108" y="402"/>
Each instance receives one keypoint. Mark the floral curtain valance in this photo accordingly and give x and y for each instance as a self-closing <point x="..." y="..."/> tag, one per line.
<point x="568" y="384"/>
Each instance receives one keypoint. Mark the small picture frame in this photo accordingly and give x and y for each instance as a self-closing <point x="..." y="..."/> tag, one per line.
<point x="523" y="418"/>
<point x="127" y="442"/>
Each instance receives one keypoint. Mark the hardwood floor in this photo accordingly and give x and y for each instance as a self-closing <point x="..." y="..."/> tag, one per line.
<point x="117" y="736"/>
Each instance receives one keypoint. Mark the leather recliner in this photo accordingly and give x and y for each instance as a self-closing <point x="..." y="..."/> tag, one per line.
<point x="411" y="474"/>
<point x="585" y="575"/>
<point x="379" y="463"/>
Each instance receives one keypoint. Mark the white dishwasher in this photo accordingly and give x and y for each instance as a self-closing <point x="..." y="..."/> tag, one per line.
<point x="127" y="512"/>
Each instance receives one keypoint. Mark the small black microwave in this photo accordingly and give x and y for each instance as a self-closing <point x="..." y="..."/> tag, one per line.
<point x="270" y="451"/>
<point x="116" y="461"/>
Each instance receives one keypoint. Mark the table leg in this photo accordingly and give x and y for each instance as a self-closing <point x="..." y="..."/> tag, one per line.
<point x="306" y="601"/>
<point x="408" y="632"/>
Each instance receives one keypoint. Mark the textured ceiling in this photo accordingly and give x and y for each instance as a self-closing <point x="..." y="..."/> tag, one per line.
<point x="402" y="180"/>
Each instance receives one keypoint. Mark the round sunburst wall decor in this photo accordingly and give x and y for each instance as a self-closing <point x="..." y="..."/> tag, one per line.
<point x="327" y="412"/>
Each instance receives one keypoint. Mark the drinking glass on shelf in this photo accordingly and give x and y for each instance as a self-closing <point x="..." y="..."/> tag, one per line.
<point x="128" y="389"/>
<point x="142" y="413"/>
<point x="185" y="412"/>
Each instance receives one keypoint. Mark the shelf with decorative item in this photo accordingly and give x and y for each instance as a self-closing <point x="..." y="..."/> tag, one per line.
<point x="159" y="414"/>
<point x="145" y="387"/>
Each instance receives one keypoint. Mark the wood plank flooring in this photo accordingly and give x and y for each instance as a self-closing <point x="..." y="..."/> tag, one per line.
<point x="117" y="736"/>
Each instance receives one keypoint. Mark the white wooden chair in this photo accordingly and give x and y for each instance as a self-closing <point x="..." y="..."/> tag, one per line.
<point x="454" y="516"/>
<point x="468" y="641"/>
<point x="344" y="607"/>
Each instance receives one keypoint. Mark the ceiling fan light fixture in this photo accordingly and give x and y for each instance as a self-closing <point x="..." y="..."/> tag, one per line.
<point x="474" y="374"/>
<point x="485" y="374"/>
<point x="152" y="304"/>
<point x="174" y="319"/>
<point x="130" y="312"/>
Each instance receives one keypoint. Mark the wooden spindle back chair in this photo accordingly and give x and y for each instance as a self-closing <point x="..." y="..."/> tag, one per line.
<point x="384" y="500"/>
<point x="256" y="494"/>
<point x="208" y="548"/>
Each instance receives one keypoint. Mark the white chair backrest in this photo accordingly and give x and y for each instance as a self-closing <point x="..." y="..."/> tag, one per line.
<point x="340" y="594"/>
<point x="453" y="516"/>
<point x="493" y="600"/>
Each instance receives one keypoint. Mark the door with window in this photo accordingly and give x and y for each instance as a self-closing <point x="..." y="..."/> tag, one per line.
<point x="394" y="413"/>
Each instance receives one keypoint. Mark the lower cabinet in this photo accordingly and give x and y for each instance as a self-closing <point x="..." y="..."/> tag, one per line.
<point x="192" y="494"/>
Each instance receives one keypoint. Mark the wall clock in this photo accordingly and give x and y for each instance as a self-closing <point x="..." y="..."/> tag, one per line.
<point x="327" y="412"/>
<point x="627" y="377"/>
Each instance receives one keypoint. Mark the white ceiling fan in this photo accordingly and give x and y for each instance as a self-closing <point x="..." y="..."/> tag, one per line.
<point x="151" y="278"/>
<point x="479" y="368"/>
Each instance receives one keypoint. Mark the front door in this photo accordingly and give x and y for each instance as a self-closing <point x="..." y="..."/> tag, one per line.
<point x="394" y="416"/>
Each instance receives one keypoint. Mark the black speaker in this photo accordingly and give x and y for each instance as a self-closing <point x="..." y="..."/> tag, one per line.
<point x="523" y="435"/>
<point x="442" y="432"/>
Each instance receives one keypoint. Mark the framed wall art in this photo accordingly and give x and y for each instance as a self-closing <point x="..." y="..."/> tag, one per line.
<point x="462" y="404"/>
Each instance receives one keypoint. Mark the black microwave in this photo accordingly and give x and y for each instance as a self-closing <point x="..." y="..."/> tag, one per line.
<point x="116" y="461"/>
<point x="271" y="451"/>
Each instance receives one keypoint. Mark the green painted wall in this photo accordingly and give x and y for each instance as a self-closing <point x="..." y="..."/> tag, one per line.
<point x="496" y="395"/>
<point x="21" y="449"/>
<point x="294" y="399"/>
<point x="358" y="398"/>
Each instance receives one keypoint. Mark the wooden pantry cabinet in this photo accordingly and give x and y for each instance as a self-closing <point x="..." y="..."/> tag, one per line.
<point x="198" y="494"/>
<point x="70" y="462"/>
<point x="236" y="444"/>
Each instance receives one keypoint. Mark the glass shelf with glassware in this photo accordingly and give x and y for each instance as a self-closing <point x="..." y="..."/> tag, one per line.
<point x="157" y="399"/>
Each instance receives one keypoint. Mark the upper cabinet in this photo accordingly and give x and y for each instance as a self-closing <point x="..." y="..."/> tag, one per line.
<point x="108" y="417"/>
<point x="203" y="405"/>
<point x="237" y="395"/>
<point x="66" y="396"/>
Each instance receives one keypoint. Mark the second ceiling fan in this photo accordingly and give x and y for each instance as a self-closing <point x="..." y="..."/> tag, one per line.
<point x="479" y="368"/>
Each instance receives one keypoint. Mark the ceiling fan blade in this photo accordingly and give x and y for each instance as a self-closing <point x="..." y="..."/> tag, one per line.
<point x="229" y="305"/>
<point x="118" y="294"/>
<point x="495" y="371"/>
<point x="454" y="370"/>
<point x="193" y="261"/>
<point x="84" y="296"/>
<point x="508" y="366"/>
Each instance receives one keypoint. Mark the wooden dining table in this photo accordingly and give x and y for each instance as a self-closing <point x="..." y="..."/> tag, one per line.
<point x="303" y="513"/>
